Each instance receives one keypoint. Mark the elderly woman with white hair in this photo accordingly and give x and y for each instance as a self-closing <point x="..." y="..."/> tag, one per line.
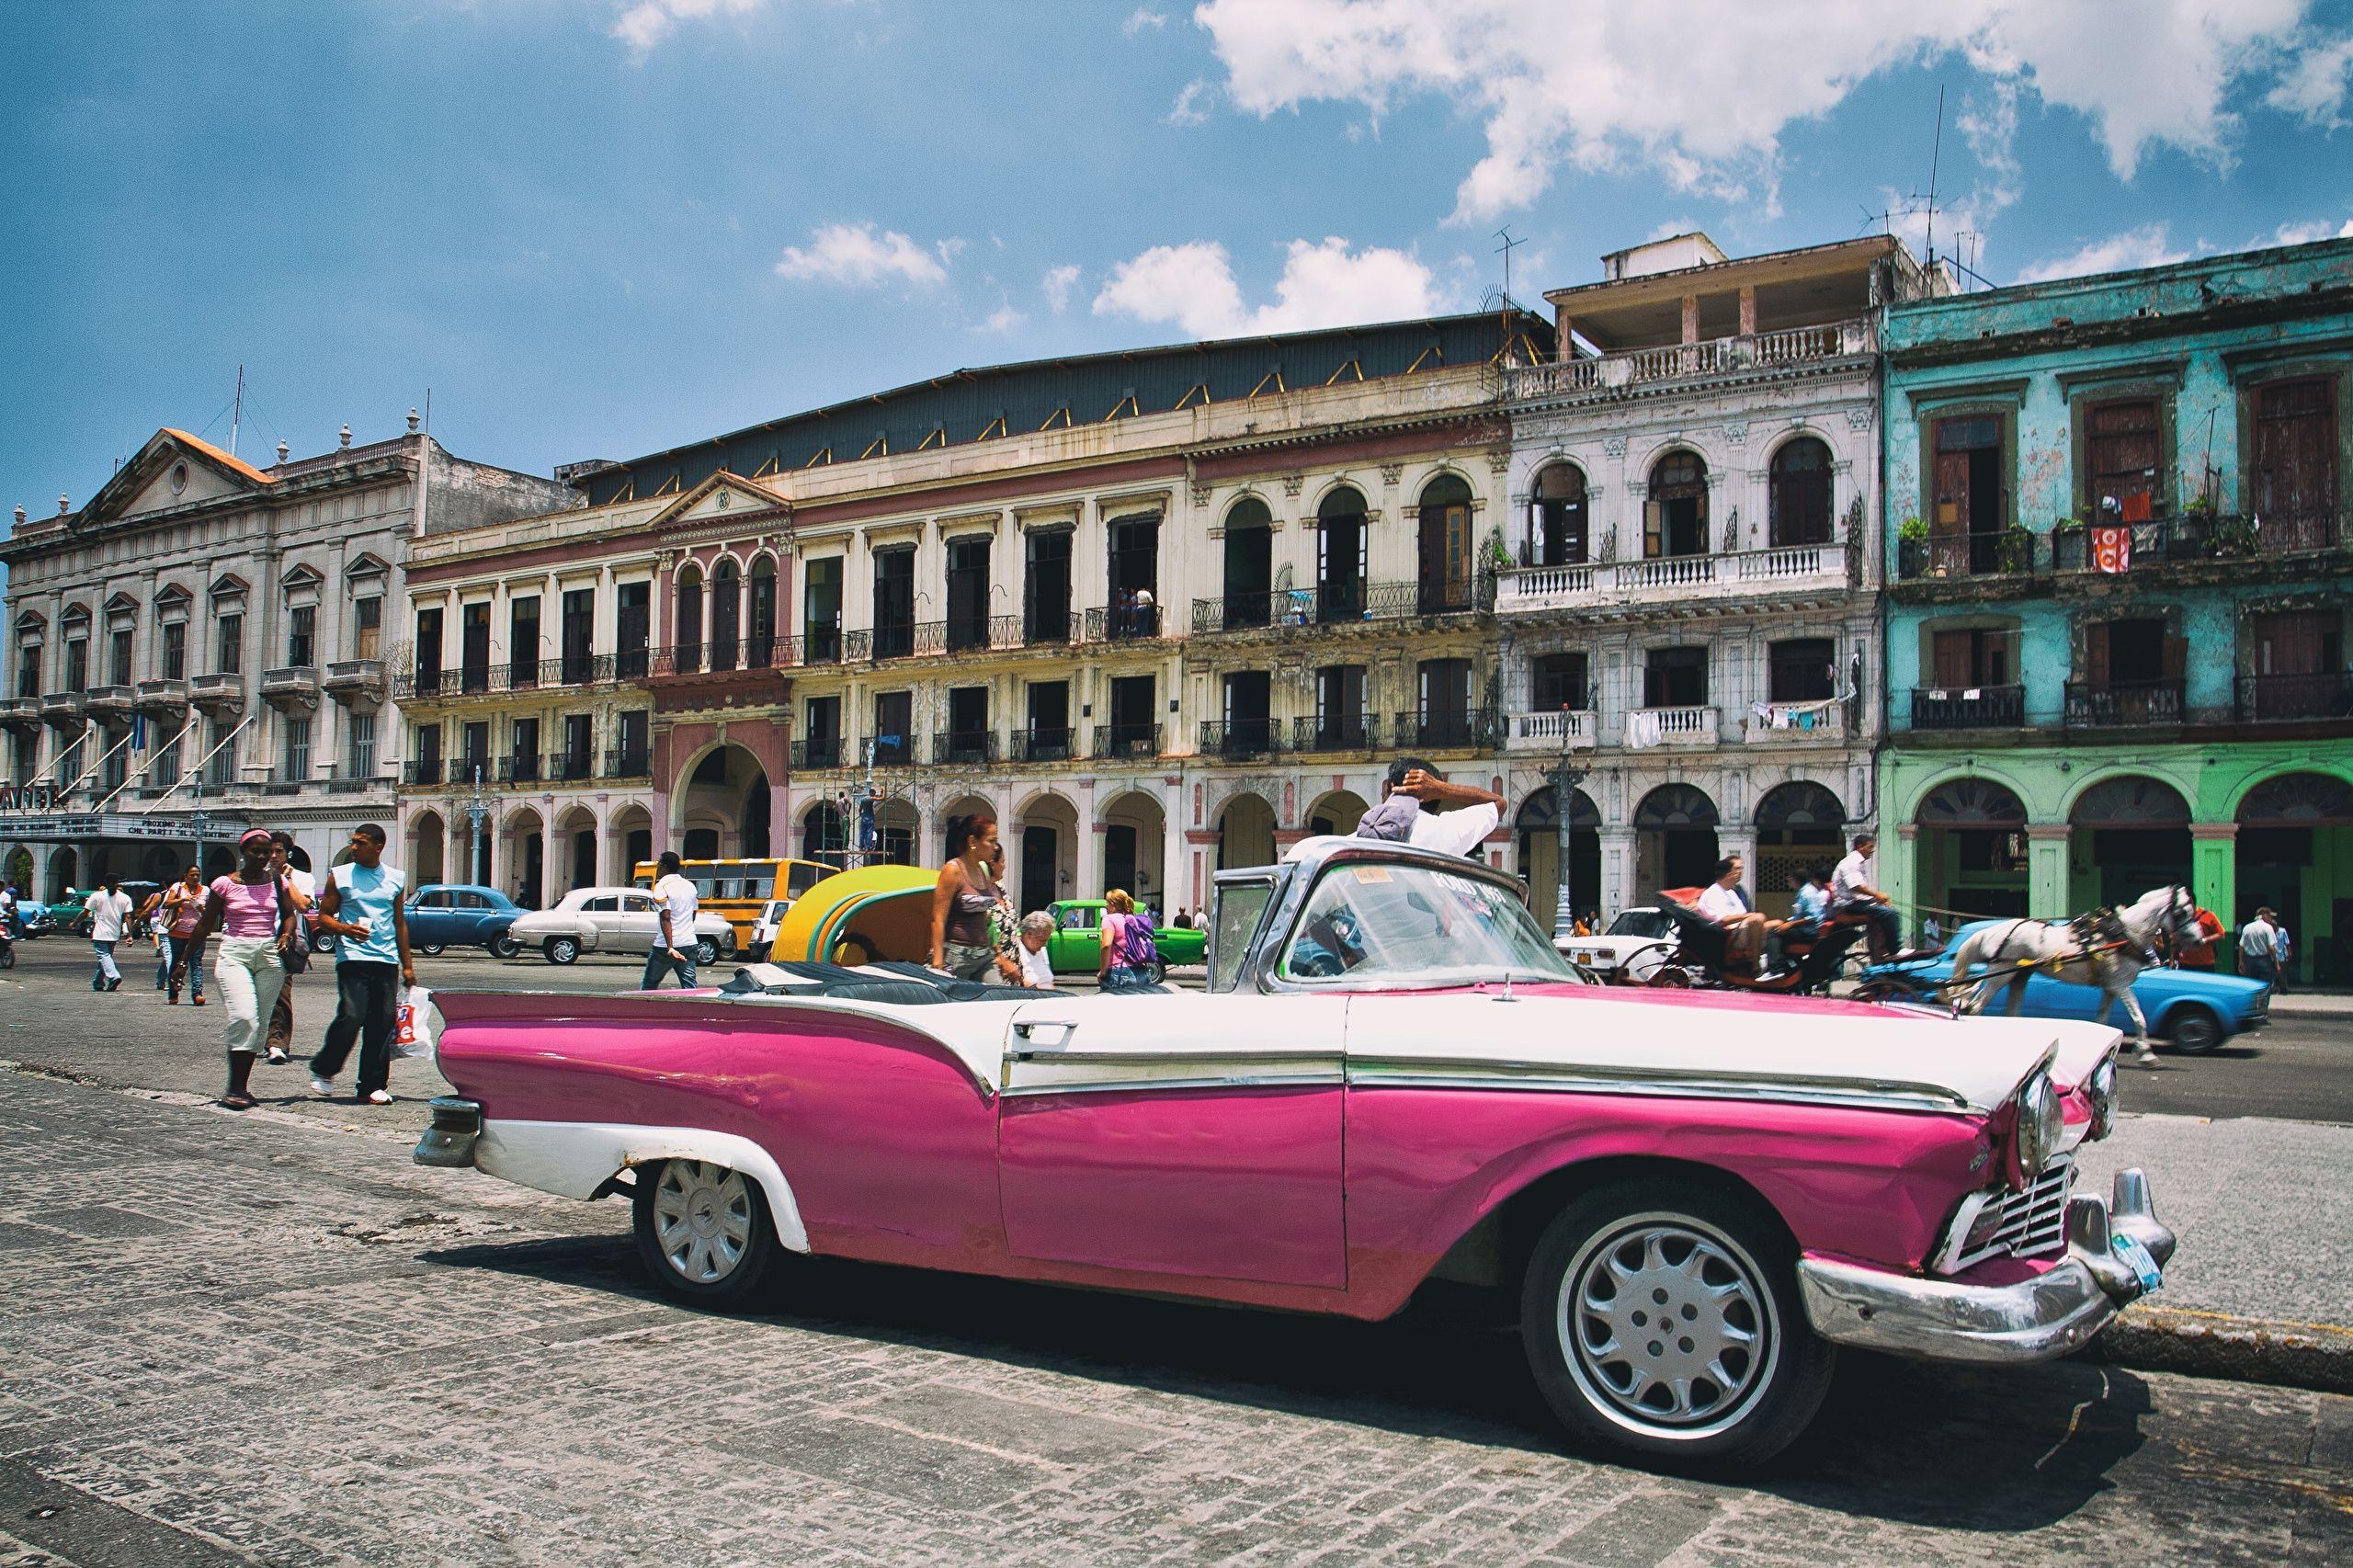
<point x="1037" y="930"/>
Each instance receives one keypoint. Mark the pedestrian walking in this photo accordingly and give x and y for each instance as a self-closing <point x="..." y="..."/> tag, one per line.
<point x="302" y="889"/>
<point x="254" y="914"/>
<point x="151" y="921"/>
<point x="183" y="955"/>
<point x="109" y="910"/>
<point x="1128" y="949"/>
<point x="2259" y="949"/>
<point x="360" y="907"/>
<point x="2284" y="953"/>
<point x="966" y="938"/>
<point x="674" y="948"/>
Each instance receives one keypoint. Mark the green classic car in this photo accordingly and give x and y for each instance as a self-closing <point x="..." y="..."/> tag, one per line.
<point x="1076" y="946"/>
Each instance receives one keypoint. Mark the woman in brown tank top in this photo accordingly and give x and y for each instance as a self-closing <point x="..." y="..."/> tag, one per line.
<point x="962" y="939"/>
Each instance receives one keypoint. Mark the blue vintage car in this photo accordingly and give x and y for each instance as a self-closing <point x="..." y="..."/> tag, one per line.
<point x="461" y="914"/>
<point x="2194" y="1009"/>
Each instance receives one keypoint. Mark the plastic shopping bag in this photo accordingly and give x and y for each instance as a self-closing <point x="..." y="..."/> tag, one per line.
<point x="404" y="1037"/>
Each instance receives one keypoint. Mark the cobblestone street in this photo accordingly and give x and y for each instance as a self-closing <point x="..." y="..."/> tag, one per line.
<point x="273" y="1338"/>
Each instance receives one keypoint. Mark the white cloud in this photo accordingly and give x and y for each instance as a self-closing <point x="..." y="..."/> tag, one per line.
<point x="1702" y="90"/>
<point x="1193" y="105"/>
<point x="2148" y="245"/>
<point x="1058" y="283"/>
<point x="1003" y="319"/>
<point x="648" y="22"/>
<point x="853" y="253"/>
<point x="1140" y="19"/>
<point x="2314" y="86"/>
<point x="1670" y="228"/>
<point x="1193" y="286"/>
<point x="949" y="249"/>
<point x="2305" y="234"/>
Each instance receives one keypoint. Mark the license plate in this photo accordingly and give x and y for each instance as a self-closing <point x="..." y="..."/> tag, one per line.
<point x="2136" y="1257"/>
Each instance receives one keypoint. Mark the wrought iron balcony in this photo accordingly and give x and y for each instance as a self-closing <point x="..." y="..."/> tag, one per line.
<point x="570" y="767"/>
<point x="2275" y="699"/>
<point x="964" y="747"/>
<point x="2125" y="704"/>
<point x="1042" y="744"/>
<point x="1240" y="739"/>
<point x="2195" y="537"/>
<point x="1117" y="741"/>
<point x="1968" y="707"/>
<point x="1044" y="626"/>
<point x="2000" y="553"/>
<point x="629" y="762"/>
<point x="887" y="751"/>
<point x="812" y="755"/>
<point x="1634" y="371"/>
<point x="351" y="777"/>
<point x="1335" y="732"/>
<point x="1125" y="623"/>
<point x="523" y="769"/>
<point x="421" y="771"/>
<point x="1466" y="729"/>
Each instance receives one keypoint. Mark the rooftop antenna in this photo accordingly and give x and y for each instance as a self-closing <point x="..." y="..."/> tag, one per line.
<point x="238" y="414"/>
<point x="1936" y="153"/>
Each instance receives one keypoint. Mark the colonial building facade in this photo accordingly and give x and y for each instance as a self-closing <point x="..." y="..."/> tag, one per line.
<point x="2119" y="582"/>
<point x="204" y="645"/>
<point x="1156" y="611"/>
<point x="1689" y="613"/>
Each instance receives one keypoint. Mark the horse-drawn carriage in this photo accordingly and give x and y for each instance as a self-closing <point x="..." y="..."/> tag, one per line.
<point x="1698" y="954"/>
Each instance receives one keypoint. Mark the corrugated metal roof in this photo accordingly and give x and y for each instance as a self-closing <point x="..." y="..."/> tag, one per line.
<point x="963" y="406"/>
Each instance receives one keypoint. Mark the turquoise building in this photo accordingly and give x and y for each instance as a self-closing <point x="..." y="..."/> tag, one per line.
<point x="2118" y="570"/>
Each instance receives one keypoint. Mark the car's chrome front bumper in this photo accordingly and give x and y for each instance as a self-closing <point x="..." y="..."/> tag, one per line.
<point x="449" y="1141"/>
<point x="2034" y="1320"/>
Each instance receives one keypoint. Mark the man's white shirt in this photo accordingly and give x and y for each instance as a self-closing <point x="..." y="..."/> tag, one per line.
<point x="1720" y="903"/>
<point x="107" y="912"/>
<point x="678" y="895"/>
<point x="1854" y="871"/>
<point x="1456" y="832"/>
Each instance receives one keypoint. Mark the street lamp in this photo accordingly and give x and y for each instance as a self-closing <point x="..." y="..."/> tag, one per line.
<point x="477" y="813"/>
<point x="1564" y="776"/>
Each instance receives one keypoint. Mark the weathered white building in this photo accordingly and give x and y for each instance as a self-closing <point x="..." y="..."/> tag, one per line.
<point x="1691" y="614"/>
<point x="204" y="647"/>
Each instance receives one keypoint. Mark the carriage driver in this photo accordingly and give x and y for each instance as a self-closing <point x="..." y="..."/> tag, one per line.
<point x="1850" y="888"/>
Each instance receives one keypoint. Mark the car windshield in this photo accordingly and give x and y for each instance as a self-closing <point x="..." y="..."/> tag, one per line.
<point x="1403" y="922"/>
<point x="1642" y="923"/>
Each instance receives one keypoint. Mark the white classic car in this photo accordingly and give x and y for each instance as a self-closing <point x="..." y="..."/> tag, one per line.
<point x="626" y="921"/>
<point x="1637" y="943"/>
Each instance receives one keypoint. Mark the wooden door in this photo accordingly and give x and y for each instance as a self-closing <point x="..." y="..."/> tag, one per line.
<point x="2295" y="463"/>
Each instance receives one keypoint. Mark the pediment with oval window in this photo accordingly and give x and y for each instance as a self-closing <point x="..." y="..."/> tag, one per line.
<point x="723" y="495"/>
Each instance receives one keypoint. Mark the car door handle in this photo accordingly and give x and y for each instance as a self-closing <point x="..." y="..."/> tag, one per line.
<point x="1028" y="1030"/>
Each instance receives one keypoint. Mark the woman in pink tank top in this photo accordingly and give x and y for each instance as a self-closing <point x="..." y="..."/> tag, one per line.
<point x="256" y="923"/>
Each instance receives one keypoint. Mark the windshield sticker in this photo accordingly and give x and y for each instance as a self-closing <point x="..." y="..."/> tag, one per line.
<point x="1373" y="873"/>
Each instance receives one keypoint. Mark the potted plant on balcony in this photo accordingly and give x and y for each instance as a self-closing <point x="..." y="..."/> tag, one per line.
<point x="1912" y="544"/>
<point x="2016" y="552"/>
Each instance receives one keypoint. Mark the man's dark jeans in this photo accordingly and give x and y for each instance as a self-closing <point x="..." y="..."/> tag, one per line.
<point x="659" y="963"/>
<point x="1886" y="929"/>
<point x="367" y="1006"/>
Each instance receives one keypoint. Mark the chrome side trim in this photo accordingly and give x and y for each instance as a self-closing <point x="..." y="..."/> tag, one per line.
<point x="1138" y="1085"/>
<point x="1163" y="1058"/>
<point x="1442" y="1073"/>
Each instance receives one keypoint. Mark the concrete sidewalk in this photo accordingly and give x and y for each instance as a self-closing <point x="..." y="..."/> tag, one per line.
<point x="2313" y="1004"/>
<point x="2262" y="1287"/>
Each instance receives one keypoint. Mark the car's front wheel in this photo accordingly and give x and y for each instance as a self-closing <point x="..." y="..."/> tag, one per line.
<point x="561" y="950"/>
<point x="504" y="945"/>
<point x="430" y="949"/>
<point x="2195" y="1031"/>
<point x="1662" y="1316"/>
<point x="704" y="1230"/>
<point x="706" y="952"/>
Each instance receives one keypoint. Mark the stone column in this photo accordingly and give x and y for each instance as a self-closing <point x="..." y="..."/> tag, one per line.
<point x="1901" y="876"/>
<point x="1617" y="872"/>
<point x="1087" y="874"/>
<point x="2046" y="869"/>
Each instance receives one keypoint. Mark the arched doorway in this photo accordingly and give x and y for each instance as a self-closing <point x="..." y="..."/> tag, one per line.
<point x="723" y="810"/>
<point x="894" y="831"/>
<point x="18" y="872"/>
<point x="1338" y="812"/>
<point x="64" y="865"/>
<point x="1135" y="846"/>
<point x="1043" y="863"/>
<point x="1246" y="827"/>
<point x="1342" y="553"/>
<point x="1675" y="839"/>
<point x="575" y="835"/>
<point x="1445" y="547"/>
<point x="1797" y="505"/>
<point x="1556" y="524"/>
<point x="824" y="834"/>
<point x="1675" y="512"/>
<point x="1972" y="854"/>
<point x="1537" y="831"/>
<point x="526" y="857"/>
<point x="1797" y="832"/>
<point x="2295" y="842"/>
<point x="2131" y="834"/>
<point x="631" y="832"/>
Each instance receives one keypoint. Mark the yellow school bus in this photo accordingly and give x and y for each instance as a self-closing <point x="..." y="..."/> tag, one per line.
<point x="736" y="890"/>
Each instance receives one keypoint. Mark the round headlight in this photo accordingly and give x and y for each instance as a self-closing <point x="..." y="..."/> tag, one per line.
<point x="2041" y="1124"/>
<point x="2101" y="1091"/>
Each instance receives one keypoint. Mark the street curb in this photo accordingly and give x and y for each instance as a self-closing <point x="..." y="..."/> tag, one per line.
<point x="2312" y="1356"/>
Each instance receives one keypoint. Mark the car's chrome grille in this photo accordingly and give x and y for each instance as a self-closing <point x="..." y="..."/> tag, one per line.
<point x="2026" y="1224"/>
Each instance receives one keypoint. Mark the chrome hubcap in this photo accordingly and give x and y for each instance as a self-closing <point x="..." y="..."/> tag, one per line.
<point x="702" y="1218"/>
<point x="1667" y="1325"/>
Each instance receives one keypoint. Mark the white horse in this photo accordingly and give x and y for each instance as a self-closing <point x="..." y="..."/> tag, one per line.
<point x="2014" y="950"/>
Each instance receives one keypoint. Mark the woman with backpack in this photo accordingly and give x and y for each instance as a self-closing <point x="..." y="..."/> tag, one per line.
<point x="1129" y="954"/>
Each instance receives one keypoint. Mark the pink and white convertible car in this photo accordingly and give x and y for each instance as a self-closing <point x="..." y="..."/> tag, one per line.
<point x="1693" y="1197"/>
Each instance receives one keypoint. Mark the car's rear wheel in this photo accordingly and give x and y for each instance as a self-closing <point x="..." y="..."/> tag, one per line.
<point x="1670" y="977"/>
<point x="2195" y="1031"/>
<point x="1154" y="972"/>
<point x="561" y="950"/>
<point x="504" y="945"/>
<point x="430" y="949"/>
<point x="321" y="941"/>
<point x="704" y="1232"/>
<point x="706" y="950"/>
<point x="1662" y="1316"/>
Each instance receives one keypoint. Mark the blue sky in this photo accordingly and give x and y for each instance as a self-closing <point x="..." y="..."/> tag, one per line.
<point x="602" y="227"/>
